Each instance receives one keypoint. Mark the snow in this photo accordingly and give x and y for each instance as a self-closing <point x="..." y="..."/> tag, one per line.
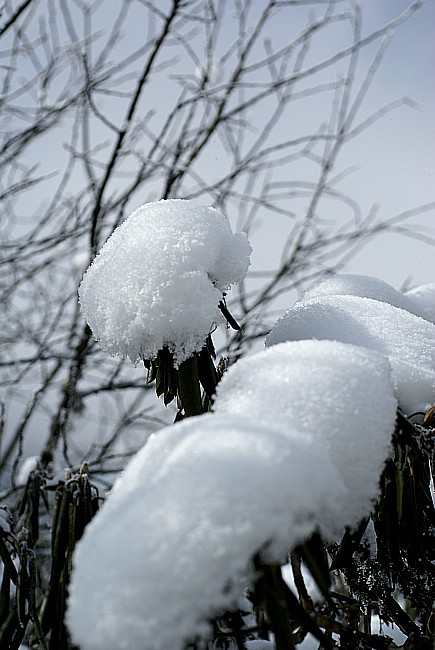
<point x="419" y="301"/>
<point x="424" y="296"/>
<point x="338" y="395"/>
<point x="407" y="340"/>
<point x="297" y="441"/>
<point x="28" y="465"/>
<point x="159" y="278"/>
<point x="212" y="70"/>
<point x="174" y="540"/>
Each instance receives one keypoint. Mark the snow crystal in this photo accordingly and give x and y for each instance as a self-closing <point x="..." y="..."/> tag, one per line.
<point x="174" y="539"/>
<point x="408" y="341"/>
<point x="369" y="287"/>
<point x="159" y="278"/>
<point x="341" y="395"/>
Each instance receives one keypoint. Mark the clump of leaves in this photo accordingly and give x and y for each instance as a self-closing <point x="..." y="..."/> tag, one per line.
<point x="193" y="383"/>
<point x="35" y="579"/>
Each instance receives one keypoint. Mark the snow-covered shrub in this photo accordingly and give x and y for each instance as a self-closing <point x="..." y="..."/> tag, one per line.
<point x="305" y="443"/>
<point x="419" y="301"/>
<point x="176" y="538"/>
<point x="308" y="441"/>
<point x="204" y="497"/>
<point x="158" y="280"/>
<point x="156" y="291"/>
<point x="406" y="339"/>
<point x="338" y="395"/>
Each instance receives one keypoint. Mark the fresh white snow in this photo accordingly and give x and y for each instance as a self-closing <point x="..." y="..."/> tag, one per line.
<point x="28" y="465"/>
<point x="339" y="395"/>
<point x="406" y="339"/>
<point x="297" y="441"/>
<point x="174" y="540"/>
<point x="419" y="301"/>
<point x="159" y="278"/>
<point x="424" y="296"/>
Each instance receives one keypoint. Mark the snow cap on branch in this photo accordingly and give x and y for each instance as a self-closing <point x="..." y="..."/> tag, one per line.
<point x="159" y="278"/>
<point x="406" y="339"/>
<point x="176" y="537"/>
<point x="338" y="395"/>
<point x="424" y="296"/>
<point x="419" y="301"/>
<point x="173" y="545"/>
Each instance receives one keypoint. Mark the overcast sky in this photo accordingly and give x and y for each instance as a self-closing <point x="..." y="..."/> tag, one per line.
<point x="396" y="156"/>
<point x="398" y="153"/>
<point x="393" y="161"/>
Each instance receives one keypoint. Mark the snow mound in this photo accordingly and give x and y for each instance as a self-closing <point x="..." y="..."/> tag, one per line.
<point x="174" y="540"/>
<point x="159" y="278"/>
<point x="370" y="287"/>
<point x="424" y="296"/>
<point x="407" y="340"/>
<point x="338" y="394"/>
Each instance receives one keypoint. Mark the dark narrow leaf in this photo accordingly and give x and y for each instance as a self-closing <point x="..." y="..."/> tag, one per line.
<point x="189" y="389"/>
<point x="168" y="398"/>
<point x="61" y="536"/>
<point x="11" y="632"/>
<point x="21" y="595"/>
<point x="314" y="555"/>
<point x="282" y="606"/>
<point x="152" y="371"/>
<point x="86" y="501"/>
<point x="207" y="372"/>
<point x="5" y="595"/>
<point x="33" y="520"/>
<point x="348" y="545"/>
<point x="7" y="560"/>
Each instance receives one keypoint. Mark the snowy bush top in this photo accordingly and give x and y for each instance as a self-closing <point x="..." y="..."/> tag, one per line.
<point x="340" y="395"/>
<point x="419" y="301"/>
<point x="174" y="540"/>
<point x="159" y="278"/>
<point x="408" y="341"/>
<point x="424" y="295"/>
<point x="298" y="450"/>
